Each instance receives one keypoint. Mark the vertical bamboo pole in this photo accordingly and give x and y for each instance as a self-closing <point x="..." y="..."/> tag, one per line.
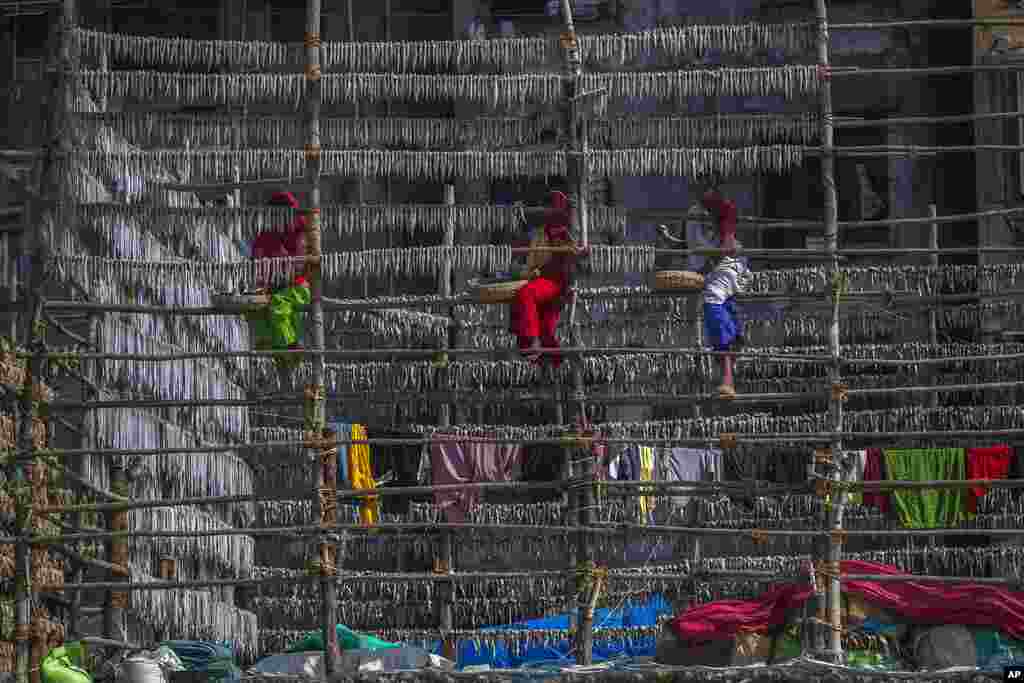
<point x="586" y="577"/>
<point x="835" y="511"/>
<point x="88" y="441"/>
<point x="443" y="562"/>
<point x="117" y="601"/>
<point x="355" y="105"/>
<point x="933" y="314"/>
<point x="35" y="335"/>
<point x="316" y="409"/>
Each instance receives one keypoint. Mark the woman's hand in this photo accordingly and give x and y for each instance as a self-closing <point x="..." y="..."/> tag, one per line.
<point x="582" y="252"/>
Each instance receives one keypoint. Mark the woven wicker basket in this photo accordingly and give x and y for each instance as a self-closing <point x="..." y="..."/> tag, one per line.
<point x="499" y="292"/>
<point x="235" y="300"/>
<point x="677" y="280"/>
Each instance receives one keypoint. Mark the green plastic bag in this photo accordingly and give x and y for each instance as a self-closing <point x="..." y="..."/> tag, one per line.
<point x="347" y="640"/>
<point x="64" y="665"/>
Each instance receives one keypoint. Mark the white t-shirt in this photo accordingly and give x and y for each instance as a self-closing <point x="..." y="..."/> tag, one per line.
<point x="726" y="280"/>
<point x="699" y="237"/>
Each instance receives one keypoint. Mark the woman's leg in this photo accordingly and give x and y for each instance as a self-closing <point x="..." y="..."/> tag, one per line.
<point x="549" y="316"/>
<point x="530" y="301"/>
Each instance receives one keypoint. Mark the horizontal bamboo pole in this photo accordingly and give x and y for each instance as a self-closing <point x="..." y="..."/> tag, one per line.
<point x="806" y="254"/>
<point x="824" y="393"/>
<point x="525" y="529"/>
<point x="652" y="577"/>
<point x="741" y="439"/>
<point x="107" y="642"/>
<point x="928" y="23"/>
<point x="466" y="299"/>
<point x="923" y="70"/>
<point x="915" y="150"/>
<point x="632" y="488"/>
<point x="680" y="214"/>
<point x="924" y="120"/>
<point x="689" y="488"/>
<point x="918" y="578"/>
<point x="426" y="354"/>
<point x="81" y="559"/>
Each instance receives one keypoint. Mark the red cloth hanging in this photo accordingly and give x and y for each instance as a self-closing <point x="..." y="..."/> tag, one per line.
<point x="874" y="470"/>
<point x="986" y="463"/>
<point x="925" y="603"/>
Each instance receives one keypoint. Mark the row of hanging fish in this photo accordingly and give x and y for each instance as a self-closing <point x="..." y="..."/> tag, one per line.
<point x="496" y="91"/>
<point x="232" y="553"/>
<point x="188" y="380"/>
<point x="196" y="614"/>
<point x="659" y="373"/>
<point x="693" y="163"/>
<point x="669" y="45"/>
<point x="181" y="474"/>
<point x="484" y="374"/>
<point x="261" y="164"/>
<point x="342" y="220"/>
<point x="181" y="275"/>
<point x="148" y="129"/>
<point x="946" y="418"/>
<point x="398" y="589"/>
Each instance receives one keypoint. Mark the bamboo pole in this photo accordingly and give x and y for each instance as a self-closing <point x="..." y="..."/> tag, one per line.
<point x="701" y="575"/>
<point x="443" y="563"/>
<point x="89" y="441"/>
<point x="36" y="242"/>
<point x="933" y="313"/>
<point x="116" y="607"/>
<point x="741" y="439"/>
<point x="582" y="470"/>
<point x="749" y="398"/>
<point x="691" y="488"/>
<point x="524" y="529"/>
<point x="316" y="415"/>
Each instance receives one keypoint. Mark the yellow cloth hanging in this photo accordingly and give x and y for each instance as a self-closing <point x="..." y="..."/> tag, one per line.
<point x="361" y="475"/>
<point x="646" y="474"/>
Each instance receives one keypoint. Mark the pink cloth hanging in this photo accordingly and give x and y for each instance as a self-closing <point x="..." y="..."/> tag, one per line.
<point x="466" y="462"/>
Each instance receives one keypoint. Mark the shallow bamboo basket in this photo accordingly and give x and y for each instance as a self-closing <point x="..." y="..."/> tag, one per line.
<point x="678" y="280"/>
<point x="499" y="292"/>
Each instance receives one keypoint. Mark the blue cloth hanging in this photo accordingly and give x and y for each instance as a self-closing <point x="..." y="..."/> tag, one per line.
<point x="343" y="430"/>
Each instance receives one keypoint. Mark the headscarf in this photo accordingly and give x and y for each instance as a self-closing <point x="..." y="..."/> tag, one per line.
<point x="558" y="217"/>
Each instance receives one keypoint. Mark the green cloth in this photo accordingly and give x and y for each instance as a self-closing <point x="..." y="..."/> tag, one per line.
<point x="279" y="325"/>
<point x="996" y="650"/>
<point x="64" y="664"/>
<point x="933" y="509"/>
<point x="872" y="661"/>
<point x="347" y="640"/>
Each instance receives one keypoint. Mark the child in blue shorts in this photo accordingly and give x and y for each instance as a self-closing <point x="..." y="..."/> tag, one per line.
<point x="723" y="329"/>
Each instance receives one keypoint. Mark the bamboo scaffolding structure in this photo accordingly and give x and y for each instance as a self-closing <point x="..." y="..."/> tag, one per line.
<point x="584" y="526"/>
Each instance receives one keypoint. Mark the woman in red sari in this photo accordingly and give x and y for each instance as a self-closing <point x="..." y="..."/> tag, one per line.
<point x="538" y="304"/>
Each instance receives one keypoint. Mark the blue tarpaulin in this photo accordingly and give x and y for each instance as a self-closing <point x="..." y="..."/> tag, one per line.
<point x="500" y="656"/>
